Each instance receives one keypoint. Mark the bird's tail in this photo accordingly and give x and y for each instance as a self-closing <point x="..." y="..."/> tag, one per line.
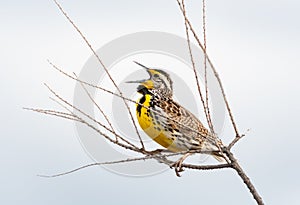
<point x="219" y="156"/>
<point x="216" y="154"/>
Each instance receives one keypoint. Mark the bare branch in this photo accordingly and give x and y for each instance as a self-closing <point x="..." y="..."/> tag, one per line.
<point x="88" y="116"/>
<point x="214" y="71"/>
<point x="161" y="159"/>
<point x="53" y="112"/>
<point x="104" y="67"/>
<point x="205" y="65"/>
<point x="205" y="106"/>
<point x="182" y="5"/>
<point x="98" y="107"/>
<point x="245" y="178"/>
<point x="236" y="139"/>
<point x="235" y="164"/>
<point x="95" y="164"/>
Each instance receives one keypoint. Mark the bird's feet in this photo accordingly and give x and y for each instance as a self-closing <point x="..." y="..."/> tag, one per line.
<point x="178" y="164"/>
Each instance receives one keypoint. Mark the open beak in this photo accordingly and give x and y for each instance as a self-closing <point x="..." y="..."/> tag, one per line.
<point x="140" y="81"/>
<point x="142" y="65"/>
<point x="136" y="81"/>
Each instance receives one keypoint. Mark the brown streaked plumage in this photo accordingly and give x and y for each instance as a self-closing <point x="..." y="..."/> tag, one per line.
<point x="167" y="122"/>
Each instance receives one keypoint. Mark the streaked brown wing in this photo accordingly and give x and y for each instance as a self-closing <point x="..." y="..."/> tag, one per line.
<point x="187" y="125"/>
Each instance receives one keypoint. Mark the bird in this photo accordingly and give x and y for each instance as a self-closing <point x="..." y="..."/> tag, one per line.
<point x="167" y="122"/>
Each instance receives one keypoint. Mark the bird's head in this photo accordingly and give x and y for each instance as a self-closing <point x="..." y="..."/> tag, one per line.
<point x="159" y="82"/>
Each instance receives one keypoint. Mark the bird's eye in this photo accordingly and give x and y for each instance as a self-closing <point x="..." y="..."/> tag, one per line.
<point x="155" y="75"/>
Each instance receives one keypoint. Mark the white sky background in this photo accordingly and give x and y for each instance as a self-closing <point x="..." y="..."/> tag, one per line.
<point x="255" y="47"/>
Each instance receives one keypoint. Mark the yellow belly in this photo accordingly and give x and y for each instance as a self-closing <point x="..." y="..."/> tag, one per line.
<point x="146" y="123"/>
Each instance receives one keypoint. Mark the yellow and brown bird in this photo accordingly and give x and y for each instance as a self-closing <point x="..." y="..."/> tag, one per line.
<point x="167" y="122"/>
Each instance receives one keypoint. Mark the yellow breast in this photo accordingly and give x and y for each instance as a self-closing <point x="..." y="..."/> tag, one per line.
<point x="146" y="122"/>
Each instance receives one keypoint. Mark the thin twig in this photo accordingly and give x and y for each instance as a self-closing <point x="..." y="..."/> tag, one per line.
<point x="71" y="113"/>
<point x="236" y="139"/>
<point x="215" y="74"/>
<point x="205" y="64"/>
<point x="95" y="164"/>
<point x="98" y="107"/>
<point x="194" y="67"/>
<point x="88" y="116"/>
<point x="78" y="119"/>
<point x="206" y="108"/>
<point x="234" y="162"/>
<point x="104" y="67"/>
<point x="53" y="112"/>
